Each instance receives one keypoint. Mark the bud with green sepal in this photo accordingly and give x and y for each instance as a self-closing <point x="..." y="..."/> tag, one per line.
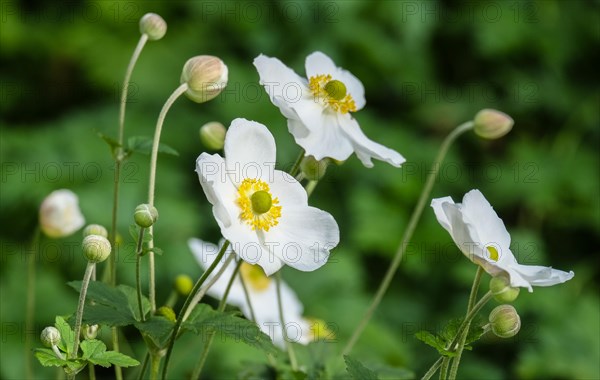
<point x="313" y="169"/>
<point x="492" y="124"/>
<point x="89" y="332"/>
<point x="206" y="76"/>
<point x="145" y="215"/>
<point x="183" y="284"/>
<point x="95" y="229"/>
<point x="50" y="337"/>
<point x="505" y="321"/>
<point x="153" y="26"/>
<point x="96" y="248"/>
<point x="167" y="312"/>
<point x="502" y="291"/>
<point x="212" y="135"/>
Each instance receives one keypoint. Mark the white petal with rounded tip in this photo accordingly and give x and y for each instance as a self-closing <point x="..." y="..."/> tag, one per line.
<point x="249" y="150"/>
<point x="490" y="227"/>
<point x="436" y="204"/>
<point x="288" y="190"/>
<point x="328" y="141"/>
<point x="277" y="77"/>
<point x="365" y="148"/>
<point x="219" y="189"/>
<point x="542" y="276"/>
<point x="303" y="237"/>
<point x="318" y="63"/>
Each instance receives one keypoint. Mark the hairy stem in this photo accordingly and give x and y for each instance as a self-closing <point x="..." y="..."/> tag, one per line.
<point x="84" y="285"/>
<point x="288" y="344"/>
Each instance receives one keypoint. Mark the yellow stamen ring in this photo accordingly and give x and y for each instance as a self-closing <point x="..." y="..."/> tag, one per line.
<point x="258" y="207"/>
<point x="333" y="92"/>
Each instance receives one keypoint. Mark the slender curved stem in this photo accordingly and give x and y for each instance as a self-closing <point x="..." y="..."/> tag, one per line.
<point x="186" y="304"/>
<point x="84" y="285"/>
<point x="310" y="187"/>
<point x="208" y="343"/>
<point x="412" y="224"/>
<point x="288" y="344"/>
<point x="138" y="280"/>
<point x="152" y="183"/>
<point x="296" y="167"/>
<point x="202" y="292"/>
<point x="433" y="369"/>
<point x="144" y="366"/>
<point x="444" y="368"/>
<point x="30" y="310"/>
<point x="112" y="263"/>
<point x="463" y="336"/>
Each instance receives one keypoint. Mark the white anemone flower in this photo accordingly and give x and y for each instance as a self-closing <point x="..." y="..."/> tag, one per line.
<point x="262" y="293"/>
<point x="264" y="212"/>
<point x="318" y="109"/>
<point x="482" y="237"/>
<point x="60" y="215"/>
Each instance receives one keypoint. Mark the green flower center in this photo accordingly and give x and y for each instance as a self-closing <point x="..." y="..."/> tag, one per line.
<point x="261" y="202"/>
<point x="493" y="253"/>
<point x="335" y="89"/>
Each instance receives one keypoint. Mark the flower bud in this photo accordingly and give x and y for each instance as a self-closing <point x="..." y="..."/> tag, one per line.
<point x="89" y="332"/>
<point x="60" y="215"/>
<point x="505" y="321"/>
<point x="502" y="291"/>
<point x="153" y="26"/>
<point x="95" y="229"/>
<point x="313" y="169"/>
<point x="50" y="336"/>
<point x="96" y="248"/>
<point x="212" y="135"/>
<point x="206" y="77"/>
<point x="145" y="215"/>
<point x="492" y="124"/>
<point x="167" y="312"/>
<point x="183" y="284"/>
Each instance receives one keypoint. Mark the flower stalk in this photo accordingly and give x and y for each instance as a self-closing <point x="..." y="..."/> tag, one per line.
<point x="288" y="344"/>
<point x="84" y="285"/>
<point x="30" y="310"/>
<point x="412" y="224"/>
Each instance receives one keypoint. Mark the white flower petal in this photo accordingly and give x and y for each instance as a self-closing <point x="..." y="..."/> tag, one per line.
<point x="318" y="63"/>
<point x="541" y="276"/>
<point x="328" y="141"/>
<point x="365" y="148"/>
<point x="288" y="190"/>
<point x="60" y="215"/>
<point x="277" y="78"/>
<point x="218" y="188"/>
<point x="303" y="237"/>
<point x="353" y="86"/>
<point x="436" y="204"/>
<point x="490" y="228"/>
<point x="249" y="149"/>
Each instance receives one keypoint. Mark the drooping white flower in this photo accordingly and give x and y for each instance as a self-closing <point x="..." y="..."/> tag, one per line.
<point x="319" y="109"/>
<point x="262" y="292"/>
<point x="482" y="237"/>
<point x="60" y="215"/>
<point x="264" y="212"/>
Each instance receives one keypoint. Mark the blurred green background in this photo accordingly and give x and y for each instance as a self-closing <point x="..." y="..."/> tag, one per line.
<point x="426" y="66"/>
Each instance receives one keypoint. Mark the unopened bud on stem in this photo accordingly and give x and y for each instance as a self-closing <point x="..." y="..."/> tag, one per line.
<point x="95" y="229"/>
<point x="183" y="284"/>
<point x="96" y="248"/>
<point x="492" y="124"/>
<point x="153" y="26"/>
<point x="502" y="291"/>
<point x="212" y="135"/>
<point x="145" y="215"/>
<point x="504" y="321"/>
<point x="313" y="169"/>
<point x="206" y="76"/>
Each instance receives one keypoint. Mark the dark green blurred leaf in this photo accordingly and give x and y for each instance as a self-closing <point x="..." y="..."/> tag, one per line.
<point x="156" y="328"/>
<point x="95" y="352"/>
<point x="357" y="370"/>
<point x="143" y="144"/>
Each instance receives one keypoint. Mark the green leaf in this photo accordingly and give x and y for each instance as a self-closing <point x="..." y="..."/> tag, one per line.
<point x="156" y="250"/>
<point x="143" y="144"/>
<point x="357" y="370"/>
<point x="66" y="333"/>
<point x="156" y="328"/>
<point x="47" y="358"/>
<point x="112" y="143"/>
<point x="114" y="306"/>
<point x="206" y="320"/>
<point x="434" y="341"/>
<point x="95" y="352"/>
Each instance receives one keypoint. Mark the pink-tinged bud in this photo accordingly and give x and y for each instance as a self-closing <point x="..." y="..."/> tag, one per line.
<point x="492" y="124"/>
<point x="206" y="76"/>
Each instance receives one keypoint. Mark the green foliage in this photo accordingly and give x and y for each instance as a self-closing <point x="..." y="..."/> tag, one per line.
<point x="358" y="371"/>
<point x="205" y="320"/>
<point x="442" y="341"/>
<point x="94" y="351"/>
<point x="143" y="144"/>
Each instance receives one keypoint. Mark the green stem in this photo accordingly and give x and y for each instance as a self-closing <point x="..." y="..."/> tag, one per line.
<point x="433" y="369"/>
<point x="202" y="292"/>
<point x="172" y="299"/>
<point x="463" y="335"/>
<point x="144" y="366"/>
<point x="92" y="370"/>
<point x="138" y="280"/>
<point x="84" y="285"/>
<point x="412" y="224"/>
<point x="296" y="167"/>
<point x="186" y="304"/>
<point x="112" y="263"/>
<point x="30" y="308"/>
<point x="208" y="343"/>
<point x="152" y="183"/>
<point x="310" y="187"/>
<point x="154" y="366"/>
<point x="288" y="344"/>
<point x="444" y="368"/>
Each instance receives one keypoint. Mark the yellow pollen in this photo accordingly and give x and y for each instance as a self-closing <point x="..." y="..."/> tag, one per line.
<point x="253" y="275"/>
<point x="332" y="93"/>
<point x="319" y="330"/>
<point x="493" y="253"/>
<point x="253" y="198"/>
